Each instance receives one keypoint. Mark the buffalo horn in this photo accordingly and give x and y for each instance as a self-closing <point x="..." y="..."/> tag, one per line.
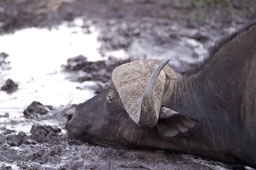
<point x="148" y="116"/>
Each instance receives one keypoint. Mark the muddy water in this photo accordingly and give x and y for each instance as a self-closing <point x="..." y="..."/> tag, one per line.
<point x="35" y="59"/>
<point x="35" y="63"/>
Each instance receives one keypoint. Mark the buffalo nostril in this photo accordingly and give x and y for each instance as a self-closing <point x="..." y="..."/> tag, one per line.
<point x="70" y="117"/>
<point x="70" y="113"/>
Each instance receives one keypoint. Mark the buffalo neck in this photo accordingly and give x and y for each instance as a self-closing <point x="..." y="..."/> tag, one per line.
<point x="185" y="95"/>
<point x="211" y="137"/>
<point x="216" y="97"/>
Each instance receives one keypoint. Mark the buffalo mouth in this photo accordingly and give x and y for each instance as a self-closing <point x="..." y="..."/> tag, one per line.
<point x="93" y="140"/>
<point x="74" y="132"/>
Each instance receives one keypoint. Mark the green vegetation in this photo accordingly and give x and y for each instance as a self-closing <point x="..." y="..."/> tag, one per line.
<point x="223" y="3"/>
<point x="217" y="12"/>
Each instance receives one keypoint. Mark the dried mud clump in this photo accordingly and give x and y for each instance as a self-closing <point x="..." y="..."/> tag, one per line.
<point x="5" y="167"/>
<point x="46" y="134"/>
<point x="9" y="86"/>
<point x="3" y="56"/>
<point x="16" y="140"/>
<point x="36" y="109"/>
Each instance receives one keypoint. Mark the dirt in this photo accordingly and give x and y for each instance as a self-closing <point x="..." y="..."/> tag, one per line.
<point x="9" y="86"/>
<point x="3" y="57"/>
<point x="143" y="29"/>
<point x="98" y="71"/>
<point x="3" y="62"/>
<point x="37" y="108"/>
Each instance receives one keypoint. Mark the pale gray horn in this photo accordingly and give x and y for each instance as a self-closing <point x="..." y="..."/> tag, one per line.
<point x="149" y="115"/>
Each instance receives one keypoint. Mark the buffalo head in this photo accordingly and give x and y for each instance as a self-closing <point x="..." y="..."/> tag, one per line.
<point x="127" y="112"/>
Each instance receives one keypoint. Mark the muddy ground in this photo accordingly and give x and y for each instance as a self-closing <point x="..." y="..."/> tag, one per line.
<point x="180" y="30"/>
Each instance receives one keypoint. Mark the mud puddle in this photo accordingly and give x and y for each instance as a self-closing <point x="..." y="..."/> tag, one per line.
<point x="34" y="62"/>
<point x="32" y="69"/>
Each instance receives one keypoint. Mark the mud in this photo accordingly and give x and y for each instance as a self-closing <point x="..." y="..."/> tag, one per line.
<point x="98" y="71"/>
<point x="9" y="86"/>
<point x="33" y="135"/>
<point x="3" y="62"/>
<point x="37" y="108"/>
<point x="3" y="56"/>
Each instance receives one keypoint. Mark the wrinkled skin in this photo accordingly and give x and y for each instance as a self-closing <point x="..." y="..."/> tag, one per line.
<point x="220" y="96"/>
<point x="108" y="124"/>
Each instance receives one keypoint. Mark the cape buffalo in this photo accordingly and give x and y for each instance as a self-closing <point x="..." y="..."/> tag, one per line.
<point x="210" y="113"/>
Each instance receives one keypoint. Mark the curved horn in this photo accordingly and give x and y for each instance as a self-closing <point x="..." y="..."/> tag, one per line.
<point x="148" y="116"/>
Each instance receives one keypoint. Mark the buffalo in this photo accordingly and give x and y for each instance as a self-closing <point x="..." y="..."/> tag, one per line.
<point x="210" y="112"/>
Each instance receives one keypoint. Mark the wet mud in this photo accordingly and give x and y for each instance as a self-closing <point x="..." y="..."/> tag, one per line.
<point x="9" y="86"/>
<point x="37" y="108"/>
<point x="33" y="136"/>
<point x="82" y="70"/>
<point x="3" y="56"/>
<point x="3" y="62"/>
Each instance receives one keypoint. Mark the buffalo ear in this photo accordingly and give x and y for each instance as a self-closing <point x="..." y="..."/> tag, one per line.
<point x="172" y="123"/>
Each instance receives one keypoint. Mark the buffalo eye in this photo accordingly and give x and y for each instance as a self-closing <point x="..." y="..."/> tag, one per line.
<point x="110" y="99"/>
